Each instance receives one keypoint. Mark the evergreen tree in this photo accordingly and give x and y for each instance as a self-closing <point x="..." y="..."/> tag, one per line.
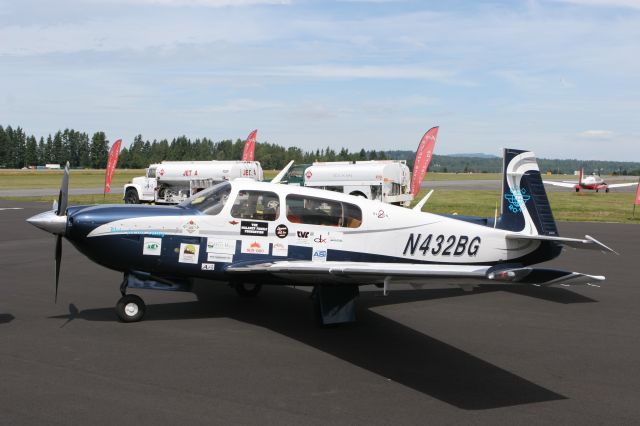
<point x="3" y="148"/>
<point x="40" y="152"/>
<point x="99" y="150"/>
<point x="31" y="152"/>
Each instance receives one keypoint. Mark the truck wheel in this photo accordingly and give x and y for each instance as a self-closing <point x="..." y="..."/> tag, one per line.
<point x="131" y="196"/>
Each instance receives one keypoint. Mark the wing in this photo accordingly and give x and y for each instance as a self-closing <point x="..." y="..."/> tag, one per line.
<point x="562" y="184"/>
<point x="621" y="185"/>
<point x="362" y="273"/>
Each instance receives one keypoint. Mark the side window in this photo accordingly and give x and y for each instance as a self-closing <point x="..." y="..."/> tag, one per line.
<point x="258" y="205"/>
<point x="320" y="211"/>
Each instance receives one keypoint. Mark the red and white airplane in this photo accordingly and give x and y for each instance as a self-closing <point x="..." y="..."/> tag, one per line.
<point x="593" y="183"/>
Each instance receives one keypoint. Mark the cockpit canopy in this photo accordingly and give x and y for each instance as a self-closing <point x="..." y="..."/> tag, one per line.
<point x="211" y="201"/>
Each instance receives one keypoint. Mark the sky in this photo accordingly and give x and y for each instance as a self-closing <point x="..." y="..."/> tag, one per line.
<point x="559" y="77"/>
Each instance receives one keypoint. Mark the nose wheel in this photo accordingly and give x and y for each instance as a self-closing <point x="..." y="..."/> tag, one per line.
<point x="130" y="308"/>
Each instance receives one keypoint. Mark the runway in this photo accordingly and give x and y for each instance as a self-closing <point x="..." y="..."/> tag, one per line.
<point x="494" y="356"/>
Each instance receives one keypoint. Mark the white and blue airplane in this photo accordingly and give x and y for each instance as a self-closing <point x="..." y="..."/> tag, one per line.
<point x="252" y="233"/>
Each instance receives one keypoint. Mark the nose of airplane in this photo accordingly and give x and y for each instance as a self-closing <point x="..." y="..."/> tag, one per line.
<point x="50" y="222"/>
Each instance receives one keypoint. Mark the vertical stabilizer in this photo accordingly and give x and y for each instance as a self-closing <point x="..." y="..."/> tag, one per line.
<point x="524" y="204"/>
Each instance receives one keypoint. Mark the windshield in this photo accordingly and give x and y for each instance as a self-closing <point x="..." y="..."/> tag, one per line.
<point x="211" y="200"/>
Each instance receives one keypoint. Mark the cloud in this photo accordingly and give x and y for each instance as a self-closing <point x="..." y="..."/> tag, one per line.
<point x="198" y="3"/>
<point x="635" y="4"/>
<point x="596" y="134"/>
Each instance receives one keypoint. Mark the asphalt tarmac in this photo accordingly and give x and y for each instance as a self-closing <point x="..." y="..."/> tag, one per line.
<point x="495" y="356"/>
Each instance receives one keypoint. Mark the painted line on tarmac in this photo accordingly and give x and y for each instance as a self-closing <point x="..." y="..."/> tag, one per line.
<point x="11" y="208"/>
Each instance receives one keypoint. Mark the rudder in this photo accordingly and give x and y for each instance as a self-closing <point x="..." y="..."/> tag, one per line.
<point x="524" y="203"/>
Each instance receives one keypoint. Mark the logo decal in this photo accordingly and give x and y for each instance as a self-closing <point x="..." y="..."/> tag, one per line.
<point x="234" y="222"/>
<point x="280" y="249"/>
<point x="282" y="231"/>
<point x="319" y="255"/>
<point x="221" y="245"/>
<point x="516" y="199"/>
<point x="190" y="227"/>
<point x="208" y="266"/>
<point x="254" y="228"/>
<point x="152" y="246"/>
<point x="189" y="253"/>
<point x="254" y="247"/>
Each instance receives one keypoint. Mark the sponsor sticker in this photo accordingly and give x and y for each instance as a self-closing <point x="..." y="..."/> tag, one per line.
<point x="221" y="245"/>
<point x="304" y="238"/>
<point x="208" y="266"/>
<point x="254" y="228"/>
<point x="320" y="239"/>
<point x="219" y="257"/>
<point x="189" y="253"/>
<point x="336" y="237"/>
<point x="282" y="231"/>
<point x="190" y="227"/>
<point x="255" y="247"/>
<point x="319" y="253"/>
<point x="280" y="249"/>
<point x="152" y="246"/>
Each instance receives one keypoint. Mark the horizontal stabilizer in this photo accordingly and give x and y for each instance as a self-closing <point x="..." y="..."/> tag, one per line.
<point x="587" y="243"/>
<point x="541" y="276"/>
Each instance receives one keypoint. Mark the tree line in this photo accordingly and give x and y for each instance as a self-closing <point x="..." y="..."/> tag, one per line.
<point x="18" y="150"/>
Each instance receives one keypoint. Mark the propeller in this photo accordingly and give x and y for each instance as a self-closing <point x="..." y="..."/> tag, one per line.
<point x="63" y="199"/>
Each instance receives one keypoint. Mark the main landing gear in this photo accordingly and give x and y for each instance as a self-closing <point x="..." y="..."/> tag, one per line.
<point x="130" y="308"/>
<point x="247" y="289"/>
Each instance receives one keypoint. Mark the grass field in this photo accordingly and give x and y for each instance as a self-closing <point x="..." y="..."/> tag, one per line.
<point x="567" y="206"/>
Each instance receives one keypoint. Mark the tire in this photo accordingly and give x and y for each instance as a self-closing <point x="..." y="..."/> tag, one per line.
<point x="130" y="308"/>
<point x="577" y="189"/>
<point x="247" y="290"/>
<point x="606" y="190"/>
<point x="131" y="196"/>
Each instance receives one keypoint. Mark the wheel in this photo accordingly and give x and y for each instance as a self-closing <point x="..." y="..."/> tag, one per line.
<point x="247" y="290"/>
<point x="606" y="190"/>
<point x="577" y="189"/>
<point x="131" y="196"/>
<point x="596" y="190"/>
<point x="130" y="308"/>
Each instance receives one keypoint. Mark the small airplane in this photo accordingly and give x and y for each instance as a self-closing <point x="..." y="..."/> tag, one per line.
<point x="250" y="233"/>
<point x="593" y="183"/>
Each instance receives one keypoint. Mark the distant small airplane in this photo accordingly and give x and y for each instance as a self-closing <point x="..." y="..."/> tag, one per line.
<point x="593" y="183"/>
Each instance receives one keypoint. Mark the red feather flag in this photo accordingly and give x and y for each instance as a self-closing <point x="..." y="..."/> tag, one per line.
<point x="637" y="203"/>
<point x="423" y="158"/>
<point x="111" y="165"/>
<point x="249" y="147"/>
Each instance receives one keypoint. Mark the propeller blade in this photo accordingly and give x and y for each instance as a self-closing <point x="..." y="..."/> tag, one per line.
<point x="63" y="197"/>
<point x="58" y="259"/>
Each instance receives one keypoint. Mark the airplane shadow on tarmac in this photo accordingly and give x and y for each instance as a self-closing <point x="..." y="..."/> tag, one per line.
<point x="5" y="318"/>
<point x="375" y="343"/>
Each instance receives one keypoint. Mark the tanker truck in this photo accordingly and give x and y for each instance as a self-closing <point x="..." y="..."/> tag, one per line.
<point x="386" y="180"/>
<point x="389" y="181"/>
<point x="172" y="182"/>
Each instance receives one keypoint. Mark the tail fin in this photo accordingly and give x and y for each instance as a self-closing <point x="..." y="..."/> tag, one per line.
<point x="524" y="204"/>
